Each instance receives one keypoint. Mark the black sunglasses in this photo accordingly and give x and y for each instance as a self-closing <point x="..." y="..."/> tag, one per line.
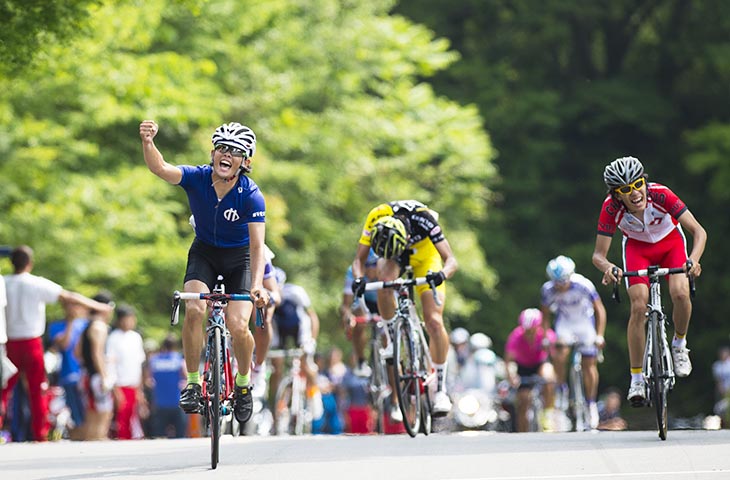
<point x="236" y="152"/>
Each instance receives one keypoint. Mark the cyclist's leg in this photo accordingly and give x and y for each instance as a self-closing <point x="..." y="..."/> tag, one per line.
<point x="193" y="335"/>
<point x="389" y="270"/>
<point x="359" y="339"/>
<point x="547" y="372"/>
<point x="262" y="337"/>
<point x="682" y="311"/>
<point x="559" y="359"/>
<point x="237" y="320"/>
<point x="635" y="331"/>
<point x="523" y="402"/>
<point x="676" y="256"/>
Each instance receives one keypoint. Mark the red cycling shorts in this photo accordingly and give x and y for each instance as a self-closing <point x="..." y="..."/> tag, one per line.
<point x="669" y="252"/>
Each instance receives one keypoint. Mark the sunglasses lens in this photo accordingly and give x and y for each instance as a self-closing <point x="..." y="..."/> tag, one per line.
<point x="626" y="189"/>
<point x="236" y="152"/>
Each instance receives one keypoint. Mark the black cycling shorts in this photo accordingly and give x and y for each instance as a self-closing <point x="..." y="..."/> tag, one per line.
<point x="206" y="262"/>
<point x="529" y="375"/>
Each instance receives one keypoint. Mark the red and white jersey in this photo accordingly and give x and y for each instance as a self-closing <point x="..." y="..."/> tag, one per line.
<point x="663" y="208"/>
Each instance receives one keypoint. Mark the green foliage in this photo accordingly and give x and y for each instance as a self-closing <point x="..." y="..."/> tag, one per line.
<point x="334" y="91"/>
<point x="564" y="88"/>
<point x="30" y="25"/>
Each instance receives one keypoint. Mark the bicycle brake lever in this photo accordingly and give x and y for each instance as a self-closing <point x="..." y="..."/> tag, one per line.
<point x="175" y="314"/>
<point x="436" y="298"/>
<point x="615" y="294"/>
<point x="690" y="278"/>
<point x="260" y="313"/>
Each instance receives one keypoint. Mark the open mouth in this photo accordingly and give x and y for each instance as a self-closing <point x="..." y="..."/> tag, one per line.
<point x="638" y="200"/>
<point x="225" y="165"/>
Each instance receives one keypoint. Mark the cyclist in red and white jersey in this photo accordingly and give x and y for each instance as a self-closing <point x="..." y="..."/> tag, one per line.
<point x="652" y="219"/>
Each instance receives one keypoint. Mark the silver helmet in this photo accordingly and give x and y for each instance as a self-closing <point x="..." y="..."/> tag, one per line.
<point x="622" y="171"/>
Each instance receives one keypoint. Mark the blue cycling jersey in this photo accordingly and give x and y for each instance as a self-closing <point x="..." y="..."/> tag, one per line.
<point x="222" y="222"/>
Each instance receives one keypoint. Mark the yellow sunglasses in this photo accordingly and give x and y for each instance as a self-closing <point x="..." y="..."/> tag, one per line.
<point x="635" y="185"/>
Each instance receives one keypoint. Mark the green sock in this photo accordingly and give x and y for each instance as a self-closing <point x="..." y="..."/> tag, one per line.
<point x="194" y="377"/>
<point x="242" y="380"/>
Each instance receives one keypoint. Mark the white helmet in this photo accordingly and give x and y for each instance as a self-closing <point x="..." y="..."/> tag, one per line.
<point x="236" y="135"/>
<point x="459" y="335"/>
<point x="622" y="171"/>
<point x="479" y="341"/>
<point x="560" y="268"/>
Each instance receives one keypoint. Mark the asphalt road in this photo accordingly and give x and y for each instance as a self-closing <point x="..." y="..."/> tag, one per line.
<point x="685" y="455"/>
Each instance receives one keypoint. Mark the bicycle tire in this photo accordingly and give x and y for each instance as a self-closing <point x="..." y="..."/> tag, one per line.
<point x="214" y="396"/>
<point x="282" y="407"/>
<point x="378" y="382"/>
<point x="407" y="384"/>
<point x="658" y="375"/>
<point x="580" y="406"/>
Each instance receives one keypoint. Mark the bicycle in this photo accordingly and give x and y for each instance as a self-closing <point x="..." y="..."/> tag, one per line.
<point x="413" y="368"/>
<point x="657" y="367"/>
<point x="218" y="379"/>
<point x="379" y="384"/>
<point x="290" y="403"/>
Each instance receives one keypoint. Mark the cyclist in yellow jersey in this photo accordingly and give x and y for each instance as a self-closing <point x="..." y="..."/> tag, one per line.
<point x="404" y="233"/>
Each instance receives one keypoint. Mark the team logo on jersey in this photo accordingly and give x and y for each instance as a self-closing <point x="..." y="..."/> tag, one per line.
<point x="231" y="215"/>
<point x="436" y="230"/>
<point x="258" y="214"/>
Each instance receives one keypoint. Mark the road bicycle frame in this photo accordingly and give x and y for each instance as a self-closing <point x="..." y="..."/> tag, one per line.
<point x="290" y="403"/>
<point x="413" y="366"/>
<point x="218" y="380"/>
<point x="658" y="366"/>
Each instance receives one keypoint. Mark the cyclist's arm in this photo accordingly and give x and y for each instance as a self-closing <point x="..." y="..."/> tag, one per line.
<point x="600" y="259"/>
<point x="273" y="287"/>
<point x="358" y="264"/>
<point x="448" y="257"/>
<point x="510" y="370"/>
<point x="315" y="322"/>
<point x="152" y="156"/>
<point x="256" y="234"/>
<point x="699" y="238"/>
<point x="599" y="311"/>
<point x="345" y="312"/>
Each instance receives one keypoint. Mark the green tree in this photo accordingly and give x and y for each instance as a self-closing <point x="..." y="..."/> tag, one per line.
<point x="334" y="93"/>
<point x="564" y="88"/>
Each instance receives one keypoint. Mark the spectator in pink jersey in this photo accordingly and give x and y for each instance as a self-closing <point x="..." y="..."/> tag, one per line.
<point x="651" y="218"/>
<point x="528" y="347"/>
<point x="27" y="296"/>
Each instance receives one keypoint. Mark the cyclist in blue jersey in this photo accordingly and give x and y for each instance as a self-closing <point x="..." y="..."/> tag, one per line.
<point x="229" y="213"/>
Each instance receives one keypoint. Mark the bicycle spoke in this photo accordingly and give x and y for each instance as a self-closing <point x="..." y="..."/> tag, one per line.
<point x="406" y="377"/>
<point x="214" y="393"/>
<point x="659" y="390"/>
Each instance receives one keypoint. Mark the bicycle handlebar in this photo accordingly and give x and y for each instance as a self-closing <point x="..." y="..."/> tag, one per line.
<point x="212" y="296"/>
<point x="655" y="272"/>
<point x="404" y="282"/>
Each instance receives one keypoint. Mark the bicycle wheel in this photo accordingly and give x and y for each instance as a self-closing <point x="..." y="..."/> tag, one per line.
<point x="658" y="375"/>
<point x="580" y="407"/>
<point x="214" y="396"/>
<point x="407" y="383"/>
<point x="282" y="407"/>
<point x="378" y="386"/>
